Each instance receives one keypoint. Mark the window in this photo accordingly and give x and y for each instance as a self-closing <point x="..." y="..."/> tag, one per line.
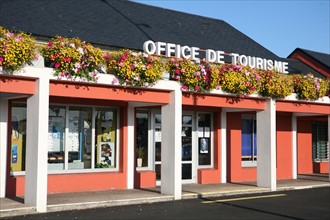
<point x="204" y="139"/>
<point x="249" y="138"/>
<point x="18" y="137"/>
<point x="142" y="138"/>
<point x="158" y="145"/>
<point x="56" y="135"/>
<point x="105" y="138"/>
<point x="70" y="140"/>
<point x="79" y="138"/>
<point x="320" y="145"/>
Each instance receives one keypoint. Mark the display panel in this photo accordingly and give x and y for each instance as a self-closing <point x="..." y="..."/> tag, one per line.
<point x="105" y="138"/>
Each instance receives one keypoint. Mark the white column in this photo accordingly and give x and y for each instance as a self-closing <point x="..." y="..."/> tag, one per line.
<point x="329" y="143"/>
<point x="266" y="142"/>
<point x="294" y="146"/>
<point x="37" y="146"/>
<point x="130" y="146"/>
<point x="3" y="146"/>
<point x="171" y="145"/>
<point x="223" y="146"/>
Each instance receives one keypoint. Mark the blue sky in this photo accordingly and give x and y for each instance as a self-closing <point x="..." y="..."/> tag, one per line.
<point x="280" y="26"/>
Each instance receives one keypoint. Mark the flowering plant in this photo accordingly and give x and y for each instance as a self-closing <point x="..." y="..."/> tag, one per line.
<point x="197" y="76"/>
<point x="135" y="69"/>
<point x="309" y="87"/>
<point x="15" y="50"/>
<point x="275" y="85"/>
<point x="239" y="80"/>
<point x="72" y="58"/>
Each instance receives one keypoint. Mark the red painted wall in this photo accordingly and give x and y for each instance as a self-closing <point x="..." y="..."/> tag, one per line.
<point x="145" y="179"/>
<point x="283" y="147"/>
<point x="235" y="171"/>
<point x="304" y="142"/>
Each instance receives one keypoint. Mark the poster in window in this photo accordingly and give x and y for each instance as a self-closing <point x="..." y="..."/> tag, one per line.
<point x="207" y="131"/>
<point x="158" y="134"/>
<point x="107" y="153"/>
<point x="203" y="145"/>
<point x="14" y="154"/>
<point x="200" y="131"/>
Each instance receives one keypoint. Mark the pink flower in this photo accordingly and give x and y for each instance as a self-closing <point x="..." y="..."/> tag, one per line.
<point x="106" y="56"/>
<point x="67" y="59"/>
<point x="238" y="67"/>
<point x="184" y="87"/>
<point x="36" y="57"/>
<point x="114" y="81"/>
<point x="197" y="88"/>
<point x="57" y="65"/>
<point x="198" y="73"/>
<point x="50" y="44"/>
<point x="20" y="38"/>
<point x="253" y="88"/>
<point x="177" y="71"/>
<point x="177" y="77"/>
<point x="9" y="34"/>
<point x="1" y="59"/>
<point x="132" y="67"/>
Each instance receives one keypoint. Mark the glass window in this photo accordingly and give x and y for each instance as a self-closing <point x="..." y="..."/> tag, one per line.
<point x="18" y="137"/>
<point x="204" y="139"/>
<point x="56" y="134"/>
<point x="249" y="138"/>
<point x="142" y="138"/>
<point x="105" y="136"/>
<point x="320" y="142"/>
<point x="79" y="138"/>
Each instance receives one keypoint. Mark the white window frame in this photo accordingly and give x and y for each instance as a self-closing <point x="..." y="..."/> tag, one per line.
<point x="150" y="139"/>
<point x="92" y="169"/>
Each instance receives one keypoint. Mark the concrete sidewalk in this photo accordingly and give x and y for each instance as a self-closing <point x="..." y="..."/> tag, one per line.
<point x="84" y="200"/>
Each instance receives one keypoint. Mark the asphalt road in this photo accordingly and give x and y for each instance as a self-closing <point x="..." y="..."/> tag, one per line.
<point x="297" y="204"/>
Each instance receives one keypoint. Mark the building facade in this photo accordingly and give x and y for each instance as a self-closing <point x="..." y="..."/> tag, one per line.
<point x="70" y="136"/>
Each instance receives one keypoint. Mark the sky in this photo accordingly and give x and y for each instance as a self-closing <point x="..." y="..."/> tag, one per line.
<point x="279" y="26"/>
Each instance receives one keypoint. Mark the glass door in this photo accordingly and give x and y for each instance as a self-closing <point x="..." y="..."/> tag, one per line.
<point x="187" y="148"/>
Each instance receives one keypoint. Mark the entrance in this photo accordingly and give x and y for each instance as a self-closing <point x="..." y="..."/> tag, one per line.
<point x="188" y="148"/>
<point x="196" y="146"/>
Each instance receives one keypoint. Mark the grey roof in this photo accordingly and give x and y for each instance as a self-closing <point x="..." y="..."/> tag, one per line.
<point x="125" y="24"/>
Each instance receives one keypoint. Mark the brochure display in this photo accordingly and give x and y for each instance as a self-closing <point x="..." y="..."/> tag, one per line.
<point x="17" y="139"/>
<point x="106" y="139"/>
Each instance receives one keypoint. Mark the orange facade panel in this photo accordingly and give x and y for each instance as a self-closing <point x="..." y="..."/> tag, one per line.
<point x="17" y="85"/>
<point x="104" y="92"/>
<point x="222" y="101"/>
<point x="285" y="106"/>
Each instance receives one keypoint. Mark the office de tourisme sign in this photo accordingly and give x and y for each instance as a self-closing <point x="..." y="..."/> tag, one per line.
<point x="212" y="56"/>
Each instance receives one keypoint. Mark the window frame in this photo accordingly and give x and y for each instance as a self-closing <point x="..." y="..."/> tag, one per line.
<point x="318" y="124"/>
<point x="150" y="140"/>
<point x="93" y="169"/>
